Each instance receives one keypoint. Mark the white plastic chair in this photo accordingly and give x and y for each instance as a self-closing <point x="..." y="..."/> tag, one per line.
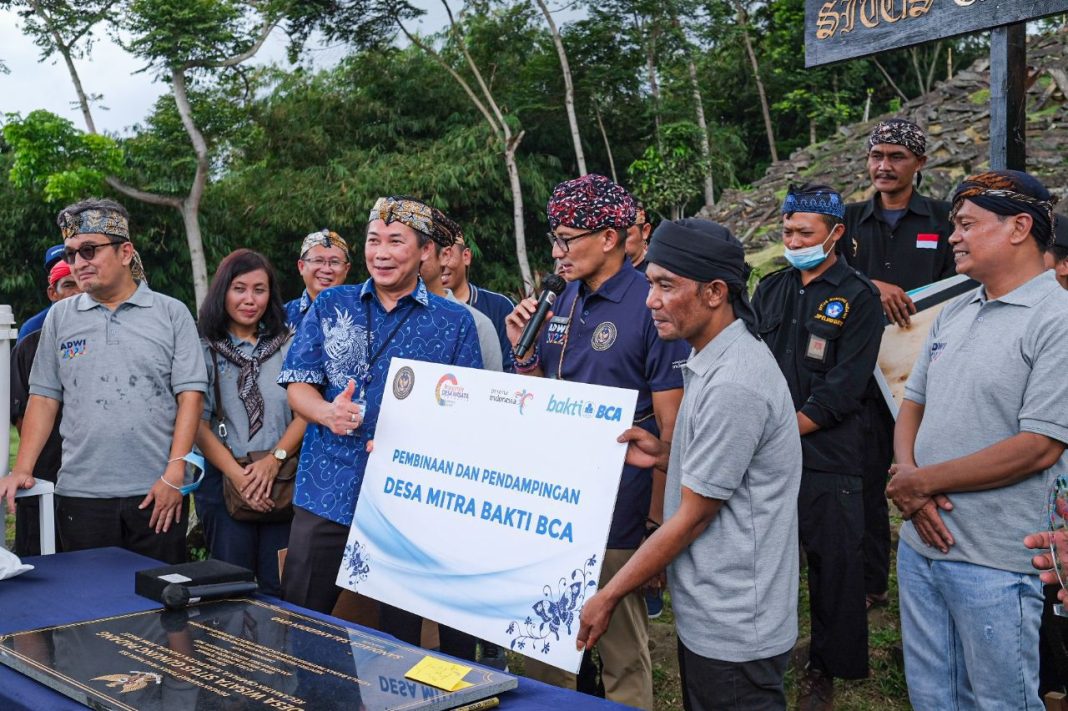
<point x="46" y="490"/>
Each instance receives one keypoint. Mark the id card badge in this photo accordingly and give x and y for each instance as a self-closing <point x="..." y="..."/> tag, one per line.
<point x="817" y="348"/>
<point x="556" y="330"/>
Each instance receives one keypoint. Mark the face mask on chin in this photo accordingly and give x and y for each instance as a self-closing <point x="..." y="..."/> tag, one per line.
<point x="807" y="257"/>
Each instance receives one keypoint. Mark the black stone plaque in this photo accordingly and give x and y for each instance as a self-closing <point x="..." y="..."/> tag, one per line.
<point x="232" y="654"/>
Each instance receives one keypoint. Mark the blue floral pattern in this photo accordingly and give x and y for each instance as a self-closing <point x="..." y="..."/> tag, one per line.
<point x="331" y="346"/>
<point x="357" y="562"/>
<point x="558" y="609"/>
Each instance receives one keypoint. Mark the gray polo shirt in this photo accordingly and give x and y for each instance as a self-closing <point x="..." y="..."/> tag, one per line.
<point x="734" y="589"/>
<point x="117" y="374"/>
<point x="989" y="370"/>
<point x="488" y="343"/>
<point x="276" y="412"/>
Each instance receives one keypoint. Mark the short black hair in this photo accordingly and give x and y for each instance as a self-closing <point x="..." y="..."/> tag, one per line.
<point x="213" y="322"/>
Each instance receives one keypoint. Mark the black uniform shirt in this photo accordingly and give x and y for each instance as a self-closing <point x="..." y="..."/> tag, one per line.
<point x="914" y="253"/>
<point x="825" y="337"/>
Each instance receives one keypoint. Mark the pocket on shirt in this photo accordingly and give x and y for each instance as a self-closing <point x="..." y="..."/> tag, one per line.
<point x="819" y="348"/>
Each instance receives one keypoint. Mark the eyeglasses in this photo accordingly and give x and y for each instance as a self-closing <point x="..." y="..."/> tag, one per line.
<point x="564" y="243"/>
<point x="87" y="251"/>
<point x="318" y="262"/>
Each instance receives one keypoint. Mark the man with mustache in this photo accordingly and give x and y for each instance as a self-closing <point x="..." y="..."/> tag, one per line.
<point x="900" y="240"/>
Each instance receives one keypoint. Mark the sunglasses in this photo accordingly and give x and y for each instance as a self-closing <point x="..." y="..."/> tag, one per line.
<point x="87" y="251"/>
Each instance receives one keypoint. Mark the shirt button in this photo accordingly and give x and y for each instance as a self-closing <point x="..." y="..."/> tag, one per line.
<point x="887" y="265"/>
<point x="801" y="292"/>
<point x="789" y="351"/>
<point x="585" y="313"/>
<point x="793" y="320"/>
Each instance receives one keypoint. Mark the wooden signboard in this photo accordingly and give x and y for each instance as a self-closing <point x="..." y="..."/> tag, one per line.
<point x="844" y="29"/>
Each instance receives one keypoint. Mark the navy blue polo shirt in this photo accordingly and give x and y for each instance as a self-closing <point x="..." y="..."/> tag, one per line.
<point x="33" y="323"/>
<point x="496" y="307"/>
<point x="607" y="337"/>
<point x="296" y="309"/>
<point x="331" y="346"/>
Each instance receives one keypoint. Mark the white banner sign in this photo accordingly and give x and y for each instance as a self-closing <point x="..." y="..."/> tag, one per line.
<point x="487" y="501"/>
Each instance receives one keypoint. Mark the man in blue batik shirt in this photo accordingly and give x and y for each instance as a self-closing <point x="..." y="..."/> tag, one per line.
<point x="324" y="262"/>
<point x="332" y="361"/>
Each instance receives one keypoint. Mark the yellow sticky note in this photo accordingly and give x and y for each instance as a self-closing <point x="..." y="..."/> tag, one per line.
<point x="439" y="673"/>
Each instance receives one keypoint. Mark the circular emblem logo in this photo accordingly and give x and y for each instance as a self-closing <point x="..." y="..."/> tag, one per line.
<point x="403" y="382"/>
<point x="604" y="336"/>
<point x="834" y="309"/>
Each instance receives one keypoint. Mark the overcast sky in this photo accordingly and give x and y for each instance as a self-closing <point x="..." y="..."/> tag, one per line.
<point x="111" y="72"/>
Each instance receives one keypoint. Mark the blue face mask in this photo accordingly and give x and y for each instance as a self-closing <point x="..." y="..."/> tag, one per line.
<point x="807" y="257"/>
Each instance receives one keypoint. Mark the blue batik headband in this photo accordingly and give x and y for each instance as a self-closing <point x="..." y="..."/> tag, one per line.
<point x="821" y="201"/>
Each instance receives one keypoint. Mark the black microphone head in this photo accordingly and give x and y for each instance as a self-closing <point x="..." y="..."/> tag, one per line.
<point x="175" y="596"/>
<point x="554" y="283"/>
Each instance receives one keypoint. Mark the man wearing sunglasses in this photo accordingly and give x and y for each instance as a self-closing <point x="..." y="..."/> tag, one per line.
<point x="126" y="365"/>
<point x="601" y="332"/>
<point x="324" y="262"/>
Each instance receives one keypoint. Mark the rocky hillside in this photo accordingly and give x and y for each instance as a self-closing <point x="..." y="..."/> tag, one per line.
<point x="956" y="115"/>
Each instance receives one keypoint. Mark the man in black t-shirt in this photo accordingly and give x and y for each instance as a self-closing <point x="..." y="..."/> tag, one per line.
<point x="61" y="284"/>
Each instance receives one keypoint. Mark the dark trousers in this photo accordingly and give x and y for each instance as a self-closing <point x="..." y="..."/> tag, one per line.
<point x="877" y="456"/>
<point x="316" y="546"/>
<point x="709" y="684"/>
<point x="246" y="543"/>
<point x="98" y="523"/>
<point x="28" y="527"/>
<point x="830" y="511"/>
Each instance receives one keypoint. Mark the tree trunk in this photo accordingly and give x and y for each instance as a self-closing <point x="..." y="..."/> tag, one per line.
<point x="190" y="208"/>
<point x="654" y="85"/>
<point x="607" y="145"/>
<point x="706" y="151"/>
<point x="569" y="88"/>
<point x="764" y="106"/>
<point x="517" y="213"/>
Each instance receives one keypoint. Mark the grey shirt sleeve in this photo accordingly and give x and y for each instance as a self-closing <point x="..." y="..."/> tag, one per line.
<point x="728" y="423"/>
<point x="916" y="385"/>
<point x="1045" y="400"/>
<point x="44" y="375"/>
<point x="187" y="365"/>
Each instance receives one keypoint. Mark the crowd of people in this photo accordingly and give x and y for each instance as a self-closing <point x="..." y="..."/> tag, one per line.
<point x="759" y="429"/>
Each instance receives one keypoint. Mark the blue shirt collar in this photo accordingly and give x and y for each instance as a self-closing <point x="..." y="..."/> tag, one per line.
<point x="615" y="288"/>
<point x="420" y="293"/>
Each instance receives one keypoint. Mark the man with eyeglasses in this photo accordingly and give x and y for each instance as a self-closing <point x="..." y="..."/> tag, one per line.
<point x="126" y="365"/>
<point x="602" y="333"/>
<point x="455" y="261"/>
<point x="324" y="262"/>
<point x="335" y="374"/>
<point x="900" y="240"/>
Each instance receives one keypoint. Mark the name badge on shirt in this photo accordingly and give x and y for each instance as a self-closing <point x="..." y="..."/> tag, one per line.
<point x="926" y="241"/>
<point x="817" y="348"/>
<point x="556" y="331"/>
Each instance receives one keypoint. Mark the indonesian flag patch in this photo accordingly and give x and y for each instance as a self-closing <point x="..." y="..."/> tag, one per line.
<point x="926" y="241"/>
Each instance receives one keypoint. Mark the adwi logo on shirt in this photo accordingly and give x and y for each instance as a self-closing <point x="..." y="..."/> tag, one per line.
<point x="74" y="348"/>
<point x="584" y="408"/>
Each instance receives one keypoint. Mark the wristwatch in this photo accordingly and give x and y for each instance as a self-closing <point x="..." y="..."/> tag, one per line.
<point x="279" y="454"/>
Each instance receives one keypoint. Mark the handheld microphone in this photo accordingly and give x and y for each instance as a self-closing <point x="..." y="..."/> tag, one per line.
<point x="553" y="285"/>
<point x="176" y="595"/>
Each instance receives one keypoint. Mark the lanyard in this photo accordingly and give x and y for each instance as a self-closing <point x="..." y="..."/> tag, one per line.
<point x="369" y="358"/>
<point x="567" y="335"/>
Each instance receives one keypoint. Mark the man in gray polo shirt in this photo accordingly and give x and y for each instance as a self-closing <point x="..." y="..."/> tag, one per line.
<point x="730" y="535"/>
<point x="979" y="439"/>
<point x="125" y="362"/>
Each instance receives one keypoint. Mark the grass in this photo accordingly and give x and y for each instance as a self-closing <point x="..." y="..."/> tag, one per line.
<point x="884" y="689"/>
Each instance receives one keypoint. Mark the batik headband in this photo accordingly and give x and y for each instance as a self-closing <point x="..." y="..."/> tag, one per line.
<point x="413" y="213"/>
<point x="592" y="202"/>
<point x="324" y="238"/>
<point x="447" y="231"/>
<point x="1002" y="192"/>
<point x="899" y="132"/>
<point x="95" y="221"/>
<point x="824" y="202"/>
